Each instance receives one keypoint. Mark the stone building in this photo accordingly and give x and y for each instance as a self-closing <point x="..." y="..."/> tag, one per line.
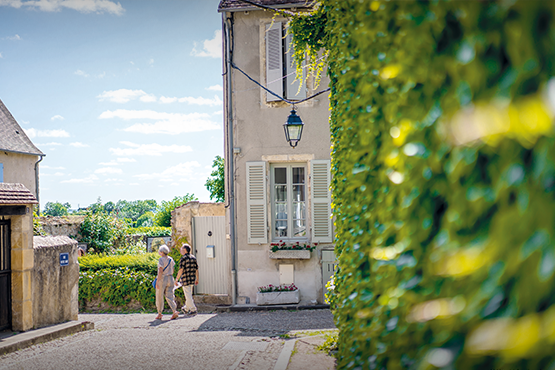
<point x="274" y="193"/>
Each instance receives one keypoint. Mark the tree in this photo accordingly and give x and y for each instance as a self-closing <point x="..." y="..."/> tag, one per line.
<point x="56" y="209"/>
<point x="133" y="210"/>
<point x="216" y="182"/>
<point x="100" y="231"/>
<point x="164" y="216"/>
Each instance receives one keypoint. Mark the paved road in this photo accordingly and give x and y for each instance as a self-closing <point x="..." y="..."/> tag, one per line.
<point x="237" y="340"/>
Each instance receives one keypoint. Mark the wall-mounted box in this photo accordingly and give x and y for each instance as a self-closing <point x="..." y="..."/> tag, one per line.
<point x="210" y="251"/>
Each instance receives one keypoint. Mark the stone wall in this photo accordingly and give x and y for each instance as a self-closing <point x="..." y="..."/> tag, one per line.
<point x="55" y="287"/>
<point x="183" y="215"/>
<point x="62" y="225"/>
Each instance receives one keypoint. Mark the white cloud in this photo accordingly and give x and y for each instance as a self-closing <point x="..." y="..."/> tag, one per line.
<point x="83" y="6"/>
<point x="78" y="144"/>
<point x="11" y="38"/>
<point x="108" y="170"/>
<point x="111" y="163"/>
<point x="218" y="112"/>
<point x="57" y="116"/>
<point x="126" y="160"/>
<point x="211" y="48"/>
<point x="125" y="95"/>
<point x="181" y="171"/>
<point x="151" y="62"/>
<point x="113" y="180"/>
<point x="80" y="72"/>
<point x="31" y="132"/>
<point x="50" y="144"/>
<point x="53" y="168"/>
<point x="167" y="123"/>
<point x="215" y="88"/>
<point x="87" y="180"/>
<point x="59" y="174"/>
<point x="1" y="57"/>
<point x="192" y="100"/>
<point x="148" y="149"/>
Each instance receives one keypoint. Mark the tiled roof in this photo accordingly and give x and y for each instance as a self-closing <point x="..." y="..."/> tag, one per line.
<point x="16" y="194"/>
<point x="12" y="136"/>
<point x="236" y="5"/>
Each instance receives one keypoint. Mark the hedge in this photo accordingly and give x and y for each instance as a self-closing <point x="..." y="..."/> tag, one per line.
<point x="117" y="280"/>
<point x="443" y="164"/>
<point x="150" y="231"/>
<point x="139" y="262"/>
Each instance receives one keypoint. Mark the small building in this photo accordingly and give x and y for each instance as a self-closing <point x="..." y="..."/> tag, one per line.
<point x="19" y="157"/>
<point x="274" y="193"/>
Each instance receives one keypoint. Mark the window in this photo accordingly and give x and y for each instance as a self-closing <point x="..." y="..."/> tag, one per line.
<point x="1" y="172"/>
<point x="289" y="201"/>
<point x="280" y="66"/>
<point x="295" y="205"/>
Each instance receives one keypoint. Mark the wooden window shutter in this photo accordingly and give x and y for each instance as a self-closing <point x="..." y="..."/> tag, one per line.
<point x="291" y="81"/>
<point x="274" y="60"/>
<point x="256" y="203"/>
<point x="321" y="201"/>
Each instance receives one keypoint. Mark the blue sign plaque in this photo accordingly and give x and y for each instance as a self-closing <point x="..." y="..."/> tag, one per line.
<point x="64" y="259"/>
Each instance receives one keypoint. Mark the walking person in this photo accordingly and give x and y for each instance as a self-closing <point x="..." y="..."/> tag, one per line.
<point x="165" y="283"/>
<point x="188" y="275"/>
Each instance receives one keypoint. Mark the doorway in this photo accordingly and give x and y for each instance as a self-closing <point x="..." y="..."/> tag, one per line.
<point x="5" y="276"/>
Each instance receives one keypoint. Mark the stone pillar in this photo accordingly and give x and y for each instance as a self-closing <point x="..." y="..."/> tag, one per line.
<point x="22" y="268"/>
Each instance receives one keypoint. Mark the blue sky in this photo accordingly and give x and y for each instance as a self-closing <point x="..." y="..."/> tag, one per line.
<point x="123" y="97"/>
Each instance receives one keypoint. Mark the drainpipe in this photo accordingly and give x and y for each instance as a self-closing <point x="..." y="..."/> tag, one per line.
<point x="37" y="181"/>
<point x="228" y="23"/>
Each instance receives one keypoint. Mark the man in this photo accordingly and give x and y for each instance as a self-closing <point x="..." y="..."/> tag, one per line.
<point x="188" y="275"/>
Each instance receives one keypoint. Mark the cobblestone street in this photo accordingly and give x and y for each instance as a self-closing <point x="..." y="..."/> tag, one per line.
<point x="237" y="340"/>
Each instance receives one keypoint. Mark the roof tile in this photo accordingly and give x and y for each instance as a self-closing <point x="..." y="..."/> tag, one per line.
<point x="16" y="194"/>
<point x="241" y="5"/>
<point x="12" y="136"/>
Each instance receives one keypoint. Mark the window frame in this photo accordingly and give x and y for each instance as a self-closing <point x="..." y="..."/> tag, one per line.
<point x="289" y="184"/>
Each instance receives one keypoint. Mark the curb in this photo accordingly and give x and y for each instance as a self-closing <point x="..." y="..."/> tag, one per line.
<point x="248" y="307"/>
<point x="32" y="337"/>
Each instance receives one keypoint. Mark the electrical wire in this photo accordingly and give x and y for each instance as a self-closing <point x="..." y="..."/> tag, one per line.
<point x="273" y="93"/>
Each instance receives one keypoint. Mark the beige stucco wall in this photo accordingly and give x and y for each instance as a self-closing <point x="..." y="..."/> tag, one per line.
<point x="258" y="132"/>
<point x="22" y="261"/>
<point x="20" y="168"/>
<point x="55" y="287"/>
<point x="62" y="225"/>
<point x="183" y="215"/>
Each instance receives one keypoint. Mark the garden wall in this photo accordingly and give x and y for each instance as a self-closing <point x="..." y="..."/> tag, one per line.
<point x="62" y="225"/>
<point x="55" y="287"/>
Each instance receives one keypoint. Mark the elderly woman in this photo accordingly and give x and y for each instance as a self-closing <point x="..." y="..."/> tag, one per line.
<point x="165" y="282"/>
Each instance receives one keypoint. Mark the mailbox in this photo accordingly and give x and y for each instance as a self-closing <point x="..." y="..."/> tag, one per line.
<point x="210" y="251"/>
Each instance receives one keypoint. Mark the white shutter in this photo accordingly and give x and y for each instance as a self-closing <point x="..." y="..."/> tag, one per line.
<point x="274" y="60"/>
<point x="321" y="201"/>
<point x="256" y="203"/>
<point x="291" y="81"/>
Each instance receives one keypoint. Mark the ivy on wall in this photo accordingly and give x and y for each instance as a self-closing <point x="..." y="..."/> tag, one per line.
<point x="443" y="160"/>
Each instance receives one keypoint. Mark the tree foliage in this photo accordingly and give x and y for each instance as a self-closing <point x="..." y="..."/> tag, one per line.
<point x="216" y="182"/>
<point x="164" y="215"/>
<point x="56" y="209"/>
<point x="101" y="231"/>
<point x="443" y="163"/>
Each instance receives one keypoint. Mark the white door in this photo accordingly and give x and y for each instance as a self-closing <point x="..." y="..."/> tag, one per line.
<point x="209" y="247"/>
<point x="329" y="265"/>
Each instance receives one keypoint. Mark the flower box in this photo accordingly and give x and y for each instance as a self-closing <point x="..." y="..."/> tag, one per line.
<point x="283" y="297"/>
<point x="290" y="254"/>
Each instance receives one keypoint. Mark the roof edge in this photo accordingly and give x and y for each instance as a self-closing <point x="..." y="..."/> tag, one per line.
<point x="247" y="7"/>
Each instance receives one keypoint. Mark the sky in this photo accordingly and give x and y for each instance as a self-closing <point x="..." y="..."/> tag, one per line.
<point x="123" y="97"/>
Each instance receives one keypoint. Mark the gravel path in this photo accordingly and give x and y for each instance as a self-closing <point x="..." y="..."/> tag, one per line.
<point x="237" y="340"/>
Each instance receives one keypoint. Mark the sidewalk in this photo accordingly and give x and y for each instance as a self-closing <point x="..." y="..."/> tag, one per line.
<point x="256" y="333"/>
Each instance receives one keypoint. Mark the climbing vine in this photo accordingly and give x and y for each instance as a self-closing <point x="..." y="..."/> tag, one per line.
<point x="443" y="164"/>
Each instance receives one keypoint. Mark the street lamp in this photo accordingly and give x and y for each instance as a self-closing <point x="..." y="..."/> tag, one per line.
<point x="293" y="128"/>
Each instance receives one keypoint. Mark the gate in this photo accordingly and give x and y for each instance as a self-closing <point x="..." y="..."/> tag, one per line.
<point x="5" y="276"/>
<point x="329" y="265"/>
<point x="209" y="246"/>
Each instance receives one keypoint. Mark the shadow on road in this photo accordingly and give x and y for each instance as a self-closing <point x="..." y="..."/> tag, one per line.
<point x="269" y="322"/>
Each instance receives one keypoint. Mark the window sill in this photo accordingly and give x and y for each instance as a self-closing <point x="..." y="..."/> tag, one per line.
<point x="290" y="254"/>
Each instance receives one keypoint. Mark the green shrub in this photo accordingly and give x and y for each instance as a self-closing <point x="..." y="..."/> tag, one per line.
<point x="130" y="248"/>
<point x="140" y="262"/>
<point x="150" y="231"/>
<point x="101" y="231"/>
<point x="118" y="287"/>
<point x="443" y="162"/>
